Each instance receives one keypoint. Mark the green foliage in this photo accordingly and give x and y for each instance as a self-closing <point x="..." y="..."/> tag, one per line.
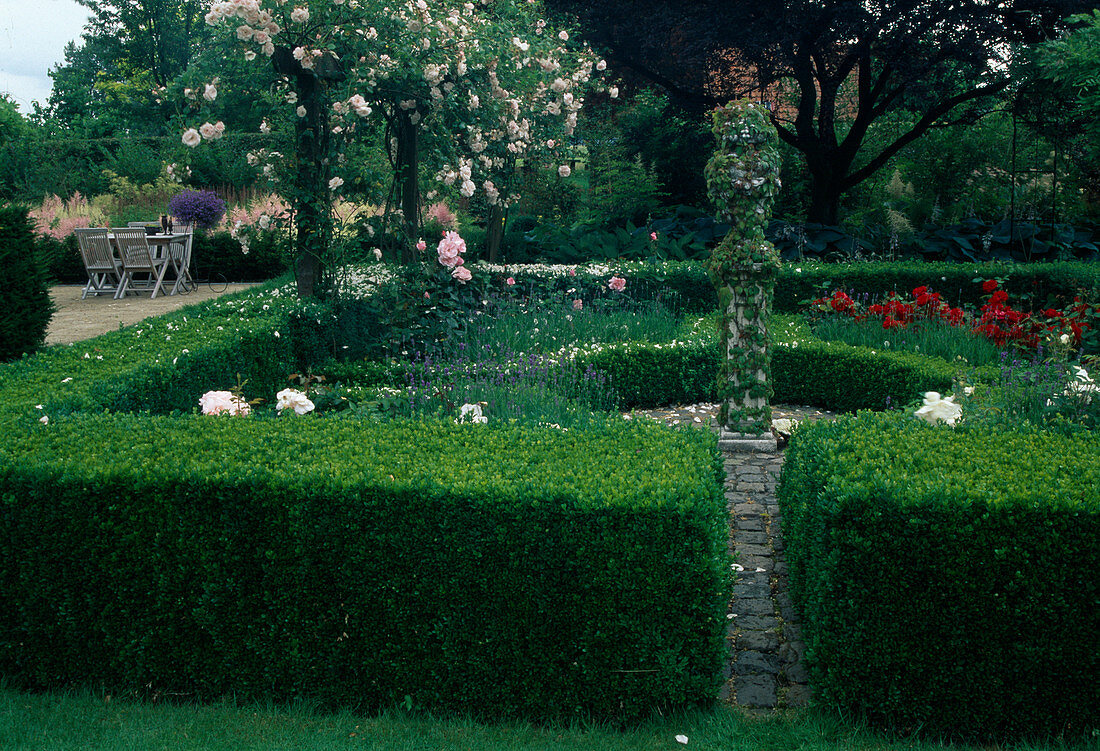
<point x="25" y="305"/>
<point x="675" y="144"/>
<point x="257" y="570"/>
<point x="1062" y="72"/>
<point x="928" y="337"/>
<point x="916" y="555"/>
<point x="1033" y="393"/>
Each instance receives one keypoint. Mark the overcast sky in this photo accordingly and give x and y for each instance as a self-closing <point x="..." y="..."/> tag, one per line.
<point x="33" y="35"/>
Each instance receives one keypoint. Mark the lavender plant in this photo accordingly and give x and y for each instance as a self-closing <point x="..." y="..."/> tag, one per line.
<point x="199" y="207"/>
<point x="1036" y="393"/>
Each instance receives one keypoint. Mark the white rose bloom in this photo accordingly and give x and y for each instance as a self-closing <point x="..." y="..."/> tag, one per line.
<point x="293" y="400"/>
<point x="471" y="413"/>
<point x="191" y="138"/>
<point x="937" y="410"/>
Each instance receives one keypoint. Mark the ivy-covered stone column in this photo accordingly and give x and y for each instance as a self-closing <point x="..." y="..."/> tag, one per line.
<point x="743" y="180"/>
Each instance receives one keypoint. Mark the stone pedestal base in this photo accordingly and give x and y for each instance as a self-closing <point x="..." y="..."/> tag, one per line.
<point x="742" y="443"/>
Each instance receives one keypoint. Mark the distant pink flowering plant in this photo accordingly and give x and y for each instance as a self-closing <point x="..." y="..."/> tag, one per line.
<point x="617" y="283"/>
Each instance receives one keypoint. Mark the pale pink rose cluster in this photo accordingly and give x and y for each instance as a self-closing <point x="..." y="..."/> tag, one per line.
<point x="450" y="250"/>
<point x="210" y="131"/>
<point x="223" y="403"/>
<point x="617" y="283"/>
<point x="259" y="26"/>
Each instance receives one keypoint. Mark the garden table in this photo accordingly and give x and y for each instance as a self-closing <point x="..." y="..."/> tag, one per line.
<point x="160" y="251"/>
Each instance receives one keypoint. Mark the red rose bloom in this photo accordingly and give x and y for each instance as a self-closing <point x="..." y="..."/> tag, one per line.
<point x="989" y="285"/>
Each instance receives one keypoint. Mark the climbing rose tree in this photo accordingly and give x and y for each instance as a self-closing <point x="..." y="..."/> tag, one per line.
<point x="485" y="83"/>
<point x="743" y="181"/>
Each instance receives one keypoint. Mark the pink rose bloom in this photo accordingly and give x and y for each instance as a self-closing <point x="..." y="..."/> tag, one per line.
<point x="509" y="281"/>
<point x="578" y="304"/>
<point x="617" y="283"/>
<point x="653" y="236"/>
<point x="421" y="245"/>
<point x="427" y="296"/>
<point x="449" y="249"/>
<point x="462" y="274"/>
<point x="572" y="272"/>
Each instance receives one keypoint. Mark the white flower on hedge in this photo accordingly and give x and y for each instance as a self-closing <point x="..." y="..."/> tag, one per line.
<point x="44" y="419"/>
<point x="471" y="413"/>
<point x="1082" y="384"/>
<point x="682" y="739"/>
<point x="936" y="409"/>
<point x="293" y="400"/>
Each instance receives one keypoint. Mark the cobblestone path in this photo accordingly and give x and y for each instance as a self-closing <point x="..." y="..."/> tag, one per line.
<point x="766" y="648"/>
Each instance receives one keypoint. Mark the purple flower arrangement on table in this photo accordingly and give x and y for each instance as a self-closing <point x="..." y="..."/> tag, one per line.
<point x="199" y="207"/>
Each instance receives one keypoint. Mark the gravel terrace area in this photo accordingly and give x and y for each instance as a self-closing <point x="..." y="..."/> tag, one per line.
<point x="77" y="319"/>
<point x="765" y="670"/>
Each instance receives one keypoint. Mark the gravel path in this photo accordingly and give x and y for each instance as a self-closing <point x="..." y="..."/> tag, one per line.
<point x="76" y="319"/>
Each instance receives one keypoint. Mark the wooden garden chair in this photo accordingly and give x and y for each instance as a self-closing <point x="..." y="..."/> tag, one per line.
<point x="103" y="267"/>
<point x="180" y="253"/>
<point x="141" y="269"/>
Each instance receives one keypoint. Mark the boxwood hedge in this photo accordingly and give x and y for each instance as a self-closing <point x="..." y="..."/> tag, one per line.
<point x="687" y="283"/>
<point x="947" y="578"/>
<point x="501" y="570"/>
<point x="494" y="569"/>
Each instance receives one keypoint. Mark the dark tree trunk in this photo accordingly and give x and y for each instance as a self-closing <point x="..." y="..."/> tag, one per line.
<point x="408" y="177"/>
<point x="494" y="235"/>
<point x="312" y="222"/>
<point x="825" y="192"/>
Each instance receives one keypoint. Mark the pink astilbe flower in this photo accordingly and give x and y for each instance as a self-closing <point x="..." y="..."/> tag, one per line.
<point x="57" y="218"/>
<point x="441" y="215"/>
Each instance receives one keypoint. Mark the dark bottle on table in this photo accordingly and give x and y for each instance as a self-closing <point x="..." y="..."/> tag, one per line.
<point x="164" y="223"/>
<point x="169" y="225"/>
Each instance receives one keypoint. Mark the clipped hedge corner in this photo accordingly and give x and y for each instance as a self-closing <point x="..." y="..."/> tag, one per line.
<point x="947" y="578"/>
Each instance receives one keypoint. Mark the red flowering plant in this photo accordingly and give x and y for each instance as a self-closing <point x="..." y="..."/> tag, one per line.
<point x="1074" y="330"/>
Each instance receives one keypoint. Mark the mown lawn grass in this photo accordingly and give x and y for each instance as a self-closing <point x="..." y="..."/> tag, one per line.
<point x="99" y="722"/>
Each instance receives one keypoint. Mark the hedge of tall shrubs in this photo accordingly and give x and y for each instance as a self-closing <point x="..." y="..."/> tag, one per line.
<point x="494" y="569"/>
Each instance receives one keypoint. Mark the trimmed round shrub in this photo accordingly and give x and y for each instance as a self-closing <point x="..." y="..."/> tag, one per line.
<point x="25" y="305"/>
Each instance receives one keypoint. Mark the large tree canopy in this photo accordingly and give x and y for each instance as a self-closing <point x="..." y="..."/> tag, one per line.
<point x="1060" y="95"/>
<point x="130" y="50"/>
<point x="831" y="68"/>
